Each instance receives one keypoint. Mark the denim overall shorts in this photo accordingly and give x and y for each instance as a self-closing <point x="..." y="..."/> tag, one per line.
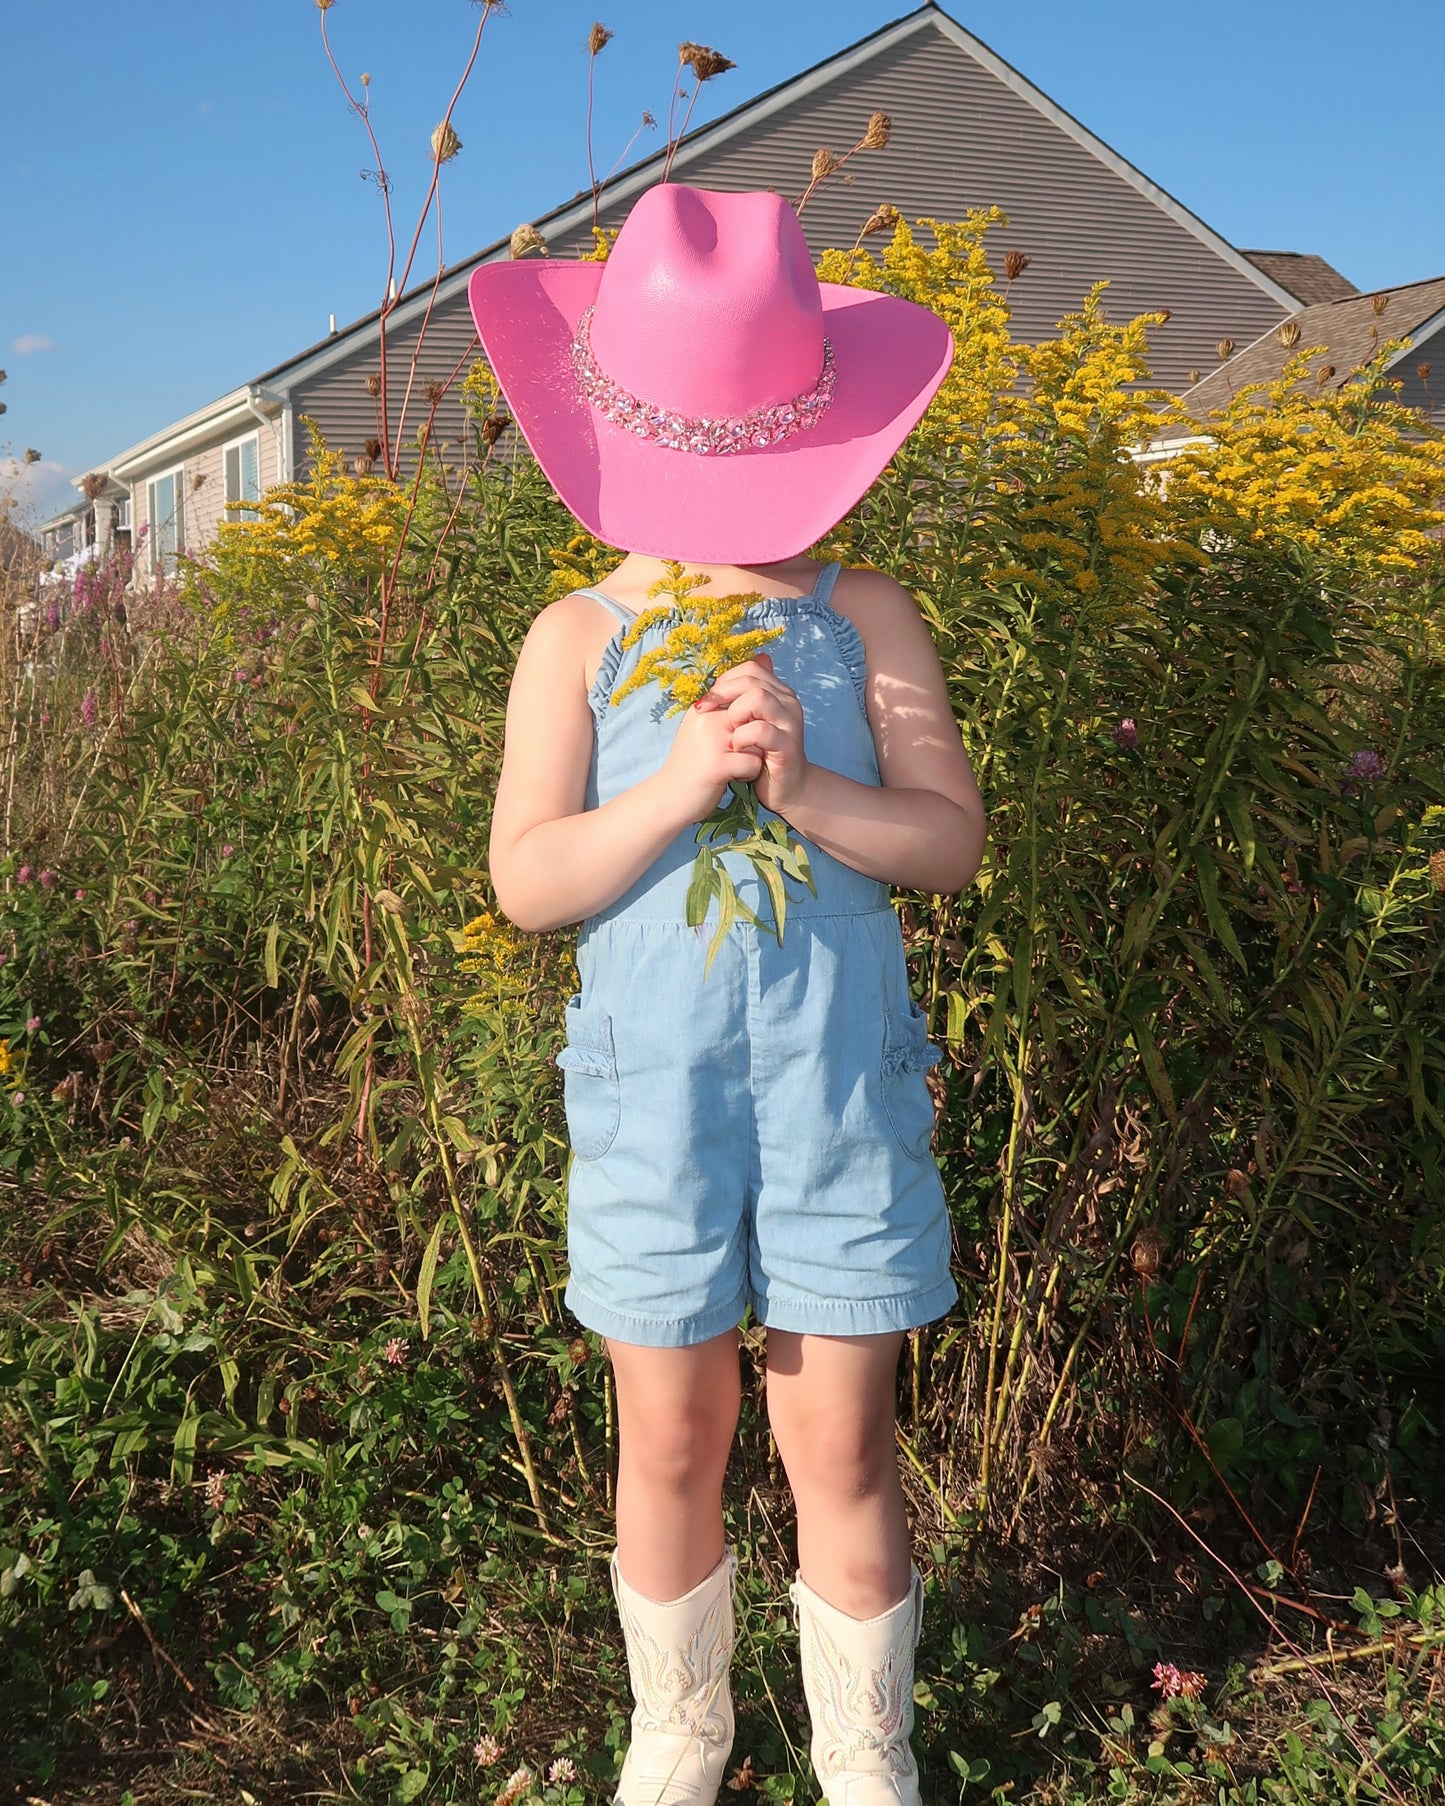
<point x="759" y="1137"/>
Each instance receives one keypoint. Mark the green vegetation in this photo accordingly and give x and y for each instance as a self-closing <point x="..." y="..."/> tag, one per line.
<point x="304" y="1472"/>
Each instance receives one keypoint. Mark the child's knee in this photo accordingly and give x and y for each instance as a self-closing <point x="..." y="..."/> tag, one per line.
<point x="679" y="1450"/>
<point x="845" y="1453"/>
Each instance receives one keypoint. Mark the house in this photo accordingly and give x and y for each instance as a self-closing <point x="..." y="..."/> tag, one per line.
<point x="968" y="130"/>
<point x="1351" y="328"/>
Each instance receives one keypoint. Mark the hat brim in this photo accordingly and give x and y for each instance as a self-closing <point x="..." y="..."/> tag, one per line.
<point x="752" y="507"/>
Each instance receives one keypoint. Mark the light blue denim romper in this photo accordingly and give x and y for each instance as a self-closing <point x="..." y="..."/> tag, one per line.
<point x="762" y="1137"/>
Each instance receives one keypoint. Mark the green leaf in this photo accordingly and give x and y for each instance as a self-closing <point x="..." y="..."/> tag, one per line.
<point x="1218" y="921"/>
<point x="702" y="888"/>
<point x="427" y="1275"/>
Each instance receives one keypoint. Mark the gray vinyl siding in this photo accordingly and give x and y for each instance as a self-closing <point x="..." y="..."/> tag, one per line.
<point x="1425" y="392"/>
<point x="961" y="139"/>
<point x="337" y="398"/>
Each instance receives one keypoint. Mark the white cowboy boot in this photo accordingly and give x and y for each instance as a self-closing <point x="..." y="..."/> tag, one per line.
<point x="858" y="1678"/>
<point x="682" y="1722"/>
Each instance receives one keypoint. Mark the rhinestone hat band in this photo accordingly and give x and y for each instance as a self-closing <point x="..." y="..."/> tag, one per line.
<point x="714" y="437"/>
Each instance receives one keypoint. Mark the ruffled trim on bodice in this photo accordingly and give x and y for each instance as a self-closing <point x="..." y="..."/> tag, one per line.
<point x="766" y="613"/>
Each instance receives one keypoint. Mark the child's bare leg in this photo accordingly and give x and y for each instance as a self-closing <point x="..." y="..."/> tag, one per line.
<point x="677" y="1413"/>
<point x="830" y="1403"/>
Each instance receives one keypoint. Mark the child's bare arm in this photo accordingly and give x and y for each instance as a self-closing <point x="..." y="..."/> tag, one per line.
<point x="553" y="861"/>
<point x="925" y="828"/>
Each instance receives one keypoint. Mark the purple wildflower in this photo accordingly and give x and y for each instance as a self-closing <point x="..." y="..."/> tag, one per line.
<point x="52" y="617"/>
<point x="88" y="709"/>
<point x="45" y="717"/>
<point x="80" y="896"/>
<point x="1366" y="766"/>
<point x="396" y="1352"/>
<point x="227" y="850"/>
<point x="32" y="1023"/>
<point x="17" y="1098"/>
<point x="24" y="875"/>
<point x="47" y="879"/>
<point x="1175" y="1683"/>
<point x="1126" y="735"/>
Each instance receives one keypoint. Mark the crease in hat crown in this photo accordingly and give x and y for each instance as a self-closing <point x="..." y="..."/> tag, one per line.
<point x="708" y="305"/>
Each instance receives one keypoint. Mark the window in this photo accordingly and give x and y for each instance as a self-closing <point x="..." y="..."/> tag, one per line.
<point x="243" y="476"/>
<point x="166" y="510"/>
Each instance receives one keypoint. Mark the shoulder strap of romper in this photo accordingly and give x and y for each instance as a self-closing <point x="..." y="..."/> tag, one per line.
<point x="622" y="616"/>
<point x="827" y="577"/>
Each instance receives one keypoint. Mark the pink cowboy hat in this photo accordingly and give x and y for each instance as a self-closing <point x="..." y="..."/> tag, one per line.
<point x="701" y="395"/>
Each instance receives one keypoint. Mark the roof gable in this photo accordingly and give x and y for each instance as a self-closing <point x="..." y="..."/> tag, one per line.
<point x="709" y="143"/>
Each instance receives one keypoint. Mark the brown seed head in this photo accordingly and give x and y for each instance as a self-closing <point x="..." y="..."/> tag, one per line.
<point x="1194" y="377"/>
<point x="1423" y="372"/>
<point x="824" y="163"/>
<point x="198" y="477"/>
<point x="704" y="63"/>
<point x="366" y="78"/>
<point x="1437" y="869"/>
<point x="1235" y="1183"/>
<point x="373" y="382"/>
<point x="527" y="238"/>
<point x="31" y="455"/>
<point x="92" y="485"/>
<point x="325" y="6"/>
<point x="1287" y="332"/>
<point x="880" y="128"/>
<point x="1147" y="1253"/>
<point x="1326" y="372"/>
<point x="361" y="467"/>
<point x="1015" y="263"/>
<point x="1378" y="304"/>
<point x="444" y="142"/>
<point x="2" y="376"/>
<point x="1225" y="348"/>
<point x="372" y="448"/>
<point x="434" y="393"/>
<point x="884" y="218"/>
<point x="598" y="39"/>
<point x="493" y="427"/>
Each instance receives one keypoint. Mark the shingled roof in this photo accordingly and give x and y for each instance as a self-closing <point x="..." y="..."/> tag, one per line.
<point x="1307" y="277"/>
<point x="1350" y="330"/>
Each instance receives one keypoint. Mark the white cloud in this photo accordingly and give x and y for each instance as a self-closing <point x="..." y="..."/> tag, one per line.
<point x="30" y="342"/>
<point x="40" y="489"/>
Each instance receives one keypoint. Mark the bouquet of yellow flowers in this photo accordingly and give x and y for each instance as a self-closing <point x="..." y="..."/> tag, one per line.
<point x="706" y="637"/>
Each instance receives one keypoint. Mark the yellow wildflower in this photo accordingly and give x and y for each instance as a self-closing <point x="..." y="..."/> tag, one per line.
<point x="705" y="639"/>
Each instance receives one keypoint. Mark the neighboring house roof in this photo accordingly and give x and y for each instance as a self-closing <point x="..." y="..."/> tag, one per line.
<point x="1350" y="330"/>
<point x="1307" y="277"/>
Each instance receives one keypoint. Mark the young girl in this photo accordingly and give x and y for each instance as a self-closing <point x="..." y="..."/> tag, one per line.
<point x="757" y="1136"/>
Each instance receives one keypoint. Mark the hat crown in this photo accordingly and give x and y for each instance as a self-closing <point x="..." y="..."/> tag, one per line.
<point x="708" y="304"/>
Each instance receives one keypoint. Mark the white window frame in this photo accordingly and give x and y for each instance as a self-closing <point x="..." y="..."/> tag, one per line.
<point x="234" y="445"/>
<point x="178" y="516"/>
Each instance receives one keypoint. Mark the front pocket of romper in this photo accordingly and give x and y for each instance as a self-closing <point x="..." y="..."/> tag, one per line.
<point x="907" y="1055"/>
<point x="591" y="1092"/>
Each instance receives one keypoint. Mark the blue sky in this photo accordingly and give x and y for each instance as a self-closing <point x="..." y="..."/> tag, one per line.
<point x="184" y="205"/>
